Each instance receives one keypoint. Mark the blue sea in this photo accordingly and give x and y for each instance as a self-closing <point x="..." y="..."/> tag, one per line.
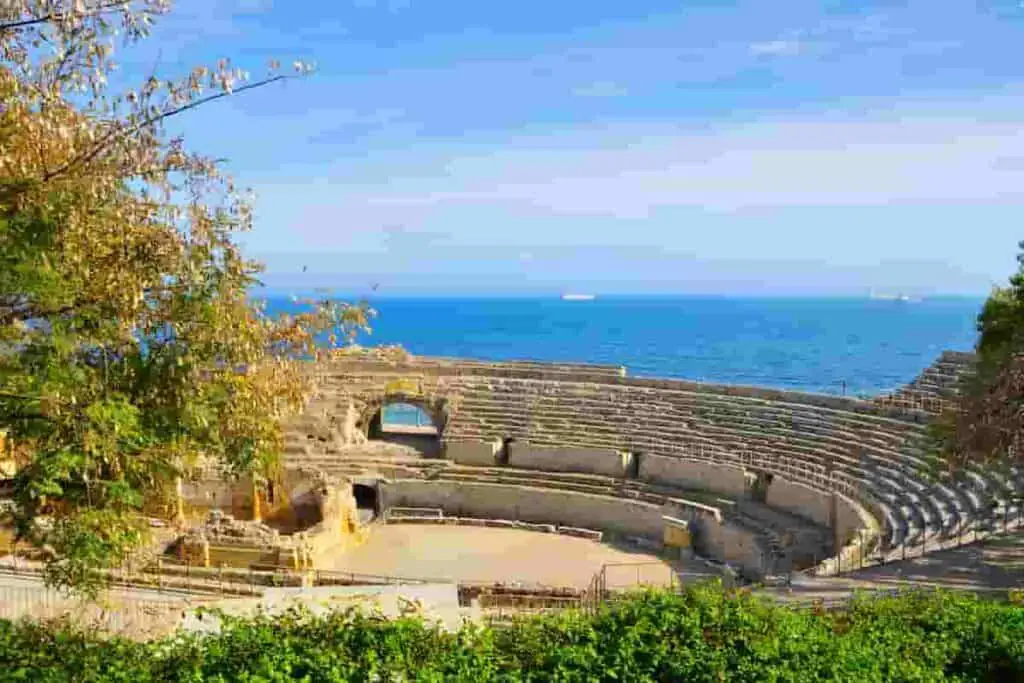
<point x="856" y="346"/>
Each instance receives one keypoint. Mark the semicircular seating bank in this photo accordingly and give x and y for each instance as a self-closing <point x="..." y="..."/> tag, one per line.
<point x="763" y="479"/>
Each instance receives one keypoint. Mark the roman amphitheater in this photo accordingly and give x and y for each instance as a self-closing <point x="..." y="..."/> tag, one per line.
<point x="766" y="482"/>
<point x="547" y="485"/>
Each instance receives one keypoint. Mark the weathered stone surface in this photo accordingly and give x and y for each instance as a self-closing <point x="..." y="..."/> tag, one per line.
<point x="562" y="459"/>
<point x="220" y="528"/>
<point x="526" y="504"/>
<point x="691" y="474"/>
<point x="479" y="453"/>
<point x="790" y="450"/>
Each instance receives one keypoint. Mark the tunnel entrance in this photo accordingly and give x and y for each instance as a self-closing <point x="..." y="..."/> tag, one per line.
<point x="367" y="502"/>
<point x="406" y="424"/>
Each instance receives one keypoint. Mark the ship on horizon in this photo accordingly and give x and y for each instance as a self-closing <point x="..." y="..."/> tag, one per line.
<point x="578" y="297"/>
<point x="902" y="298"/>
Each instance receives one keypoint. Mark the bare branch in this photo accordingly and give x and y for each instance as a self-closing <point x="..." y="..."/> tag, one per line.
<point x="115" y="135"/>
<point x="48" y="18"/>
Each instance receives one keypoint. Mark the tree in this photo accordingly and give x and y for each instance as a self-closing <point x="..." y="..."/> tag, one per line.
<point x="129" y="345"/>
<point x="987" y="423"/>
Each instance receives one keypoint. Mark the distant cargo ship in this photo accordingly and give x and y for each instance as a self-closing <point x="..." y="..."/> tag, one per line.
<point x="578" y="297"/>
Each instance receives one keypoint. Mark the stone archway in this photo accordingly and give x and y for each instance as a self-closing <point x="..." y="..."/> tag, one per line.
<point x="425" y="438"/>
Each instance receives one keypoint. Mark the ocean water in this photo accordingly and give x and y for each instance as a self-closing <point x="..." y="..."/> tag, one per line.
<point x="856" y="346"/>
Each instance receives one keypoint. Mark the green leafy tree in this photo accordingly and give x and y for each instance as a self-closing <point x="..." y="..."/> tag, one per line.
<point x="987" y="423"/>
<point x="129" y="345"/>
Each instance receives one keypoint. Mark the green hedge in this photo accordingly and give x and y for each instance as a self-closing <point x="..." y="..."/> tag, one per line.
<point x="701" y="635"/>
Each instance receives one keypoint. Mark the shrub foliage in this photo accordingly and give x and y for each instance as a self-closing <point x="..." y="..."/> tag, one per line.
<point x="701" y="635"/>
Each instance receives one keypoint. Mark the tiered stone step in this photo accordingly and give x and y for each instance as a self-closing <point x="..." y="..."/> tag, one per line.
<point x="937" y="384"/>
<point x="918" y="511"/>
<point x="768" y="523"/>
<point x="865" y="452"/>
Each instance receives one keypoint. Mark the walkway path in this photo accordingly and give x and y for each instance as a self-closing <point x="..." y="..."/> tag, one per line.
<point x="994" y="565"/>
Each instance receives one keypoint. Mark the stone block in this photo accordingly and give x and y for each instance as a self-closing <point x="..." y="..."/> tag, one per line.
<point x="694" y="475"/>
<point x="479" y="453"/>
<point x="563" y="459"/>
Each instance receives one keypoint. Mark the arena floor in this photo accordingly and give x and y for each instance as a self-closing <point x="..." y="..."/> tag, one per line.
<point x="454" y="553"/>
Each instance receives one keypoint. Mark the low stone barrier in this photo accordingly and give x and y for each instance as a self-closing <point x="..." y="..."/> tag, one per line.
<point x="581" y="533"/>
<point x="408" y="512"/>
<point x="441" y="518"/>
<point x="528" y="504"/>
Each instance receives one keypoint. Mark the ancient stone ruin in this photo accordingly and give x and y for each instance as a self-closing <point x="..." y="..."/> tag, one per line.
<point x="763" y="479"/>
<point x="310" y="515"/>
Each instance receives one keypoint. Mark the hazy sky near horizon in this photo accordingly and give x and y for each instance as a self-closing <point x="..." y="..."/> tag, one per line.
<point x="792" y="147"/>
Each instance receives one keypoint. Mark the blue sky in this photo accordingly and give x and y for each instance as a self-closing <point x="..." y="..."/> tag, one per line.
<point x="748" y="147"/>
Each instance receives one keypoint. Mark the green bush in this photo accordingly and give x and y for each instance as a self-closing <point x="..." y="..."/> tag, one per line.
<point x="701" y="635"/>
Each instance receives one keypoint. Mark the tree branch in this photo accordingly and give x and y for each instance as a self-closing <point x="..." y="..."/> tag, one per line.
<point x="57" y="16"/>
<point x="116" y="134"/>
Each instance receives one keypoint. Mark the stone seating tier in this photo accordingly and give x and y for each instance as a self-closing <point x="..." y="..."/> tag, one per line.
<point x="936" y="385"/>
<point x="767" y="522"/>
<point x="875" y="453"/>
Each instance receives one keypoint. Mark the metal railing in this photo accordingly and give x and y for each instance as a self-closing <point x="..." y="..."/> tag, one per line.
<point x="617" y="578"/>
<point x="999" y="522"/>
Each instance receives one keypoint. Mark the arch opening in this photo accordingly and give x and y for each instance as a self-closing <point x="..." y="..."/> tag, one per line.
<point x="407" y="424"/>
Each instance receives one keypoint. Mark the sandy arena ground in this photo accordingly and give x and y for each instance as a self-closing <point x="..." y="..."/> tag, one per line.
<point x="499" y="555"/>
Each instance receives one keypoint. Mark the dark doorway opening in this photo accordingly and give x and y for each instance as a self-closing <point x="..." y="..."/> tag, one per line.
<point x="367" y="502"/>
<point x="633" y="465"/>
<point x="406" y="424"/>
<point x="502" y="456"/>
<point x="759" y="486"/>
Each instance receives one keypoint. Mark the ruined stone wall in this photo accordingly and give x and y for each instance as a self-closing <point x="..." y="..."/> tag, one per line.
<point x="847" y="517"/>
<point x="310" y="519"/>
<point x="204" y="494"/>
<point x="444" y="375"/>
<point x="731" y="544"/>
<point x="526" y="504"/>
